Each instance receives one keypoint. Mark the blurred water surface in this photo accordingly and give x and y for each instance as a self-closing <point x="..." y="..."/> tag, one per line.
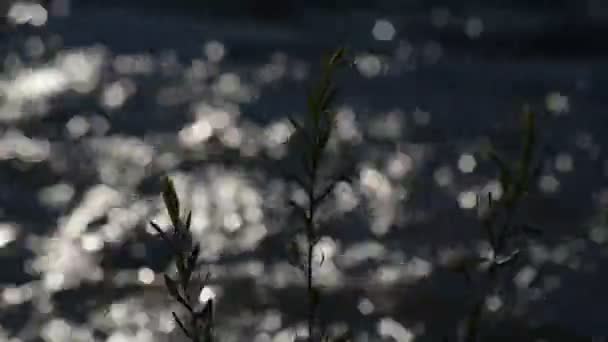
<point x="97" y="106"/>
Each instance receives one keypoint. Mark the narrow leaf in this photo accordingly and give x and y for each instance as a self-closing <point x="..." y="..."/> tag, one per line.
<point x="183" y="302"/>
<point x="205" y="313"/>
<point x="186" y="273"/>
<point x="164" y="236"/>
<point x="296" y="125"/>
<point x="313" y="102"/>
<point x="294" y="257"/>
<point x="180" y="263"/>
<point x="171" y="201"/>
<point x="160" y="231"/>
<point x="189" y="220"/>
<point x="506" y="174"/>
<point x="185" y="281"/>
<point x="503" y="260"/>
<point x="181" y="325"/>
<point x="171" y="286"/>
<point x="298" y="210"/>
<point x="190" y="266"/>
<point x="206" y="280"/>
<point x="328" y="97"/>
<point x="292" y="177"/>
<point x="194" y="256"/>
<point x="326" y="192"/>
<point x="323" y="139"/>
<point x="300" y="131"/>
<point x="338" y="56"/>
<point x="529" y="143"/>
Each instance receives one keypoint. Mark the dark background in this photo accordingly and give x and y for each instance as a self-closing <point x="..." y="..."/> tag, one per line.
<point x="122" y="92"/>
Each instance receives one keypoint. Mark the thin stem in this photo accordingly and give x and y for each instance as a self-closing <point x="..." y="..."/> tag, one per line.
<point x="310" y="239"/>
<point x="311" y="308"/>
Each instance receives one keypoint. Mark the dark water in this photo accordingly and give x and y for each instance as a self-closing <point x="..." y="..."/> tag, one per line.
<point x="431" y="96"/>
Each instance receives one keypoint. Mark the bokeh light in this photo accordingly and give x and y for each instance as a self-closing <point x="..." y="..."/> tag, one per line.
<point x="87" y="129"/>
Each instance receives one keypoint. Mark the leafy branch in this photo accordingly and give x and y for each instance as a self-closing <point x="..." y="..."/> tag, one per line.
<point x="498" y="223"/>
<point x="198" y="326"/>
<point x="313" y="135"/>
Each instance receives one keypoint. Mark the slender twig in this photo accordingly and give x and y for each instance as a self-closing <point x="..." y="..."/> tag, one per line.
<point x="199" y="326"/>
<point x="515" y="182"/>
<point x="314" y="135"/>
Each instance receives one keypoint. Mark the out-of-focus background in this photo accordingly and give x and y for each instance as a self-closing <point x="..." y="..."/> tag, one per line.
<point x="99" y="99"/>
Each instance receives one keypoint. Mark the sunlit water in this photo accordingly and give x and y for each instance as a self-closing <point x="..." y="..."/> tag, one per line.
<point x="92" y="114"/>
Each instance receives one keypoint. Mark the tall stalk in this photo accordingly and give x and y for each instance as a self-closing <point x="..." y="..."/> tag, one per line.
<point x="199" y="324"/>
<point x="499" y="225"/>
<point x="311" y="138"/>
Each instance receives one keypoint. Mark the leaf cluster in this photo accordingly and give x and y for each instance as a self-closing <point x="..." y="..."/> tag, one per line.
<point x="199" y="324"/>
